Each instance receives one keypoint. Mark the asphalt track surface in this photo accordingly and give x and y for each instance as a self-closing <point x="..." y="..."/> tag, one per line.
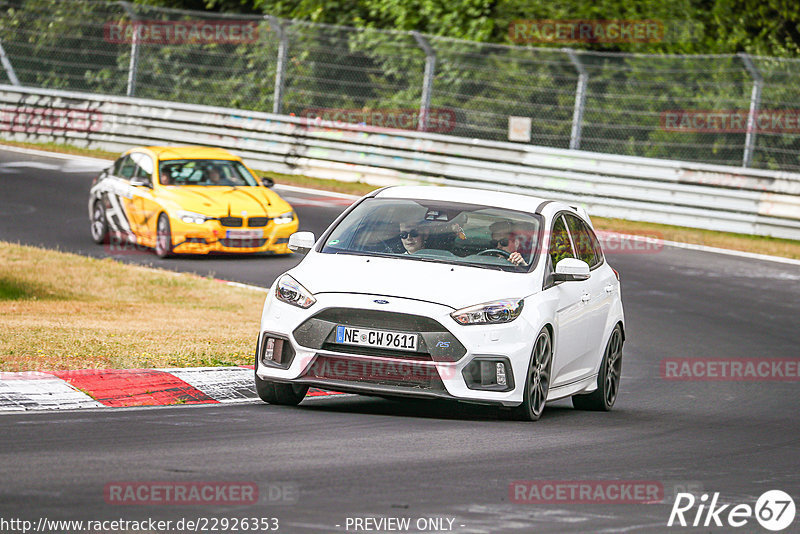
<point x="363" y="457"/>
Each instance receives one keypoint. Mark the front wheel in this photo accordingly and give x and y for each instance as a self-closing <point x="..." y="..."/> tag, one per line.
<point x="163" y="237"/>
<point x="537" y="383"/>
<point x="99" y="224"/>
<point x="278" y="393"/>
<point x="603" y="398"/>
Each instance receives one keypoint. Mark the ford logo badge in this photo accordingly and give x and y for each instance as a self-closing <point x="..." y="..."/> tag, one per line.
<point x="381" y="301"/>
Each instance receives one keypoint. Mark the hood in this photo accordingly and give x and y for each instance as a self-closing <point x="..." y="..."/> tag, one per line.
<point x="218" y="201"/>
<point x="450" y="285"/>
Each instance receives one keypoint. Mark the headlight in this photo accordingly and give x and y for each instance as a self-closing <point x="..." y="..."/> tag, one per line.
<point x="291" y="291"/>
<point x="284" y="218"/>
<point x="500" y="311"/>
<point x="190" y="217"/>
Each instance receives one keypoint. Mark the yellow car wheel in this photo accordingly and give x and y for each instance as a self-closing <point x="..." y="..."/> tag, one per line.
<point x="163" y="237"/>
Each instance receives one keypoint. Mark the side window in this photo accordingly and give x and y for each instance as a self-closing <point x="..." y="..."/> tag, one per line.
<point x="582" y="240"/>
<point x="118" y="165"/>
<point x="560" y="247"/>
<point x="126" y="169"/>
<point x="144" y="165"/>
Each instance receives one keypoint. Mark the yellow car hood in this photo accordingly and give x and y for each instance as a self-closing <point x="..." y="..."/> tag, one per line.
<point x="219" y="201"/>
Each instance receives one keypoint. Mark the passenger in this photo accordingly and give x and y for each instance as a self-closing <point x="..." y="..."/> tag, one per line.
<point x="503" y="239"/>
<point x="413" y="237"/>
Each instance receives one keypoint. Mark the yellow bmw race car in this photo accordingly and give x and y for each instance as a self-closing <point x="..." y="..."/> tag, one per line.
<point x="190" y="200"/>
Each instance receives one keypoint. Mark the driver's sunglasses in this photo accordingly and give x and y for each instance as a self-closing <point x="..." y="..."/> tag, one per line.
<point x="411" y="233"/>
<point x="503" y="242"/>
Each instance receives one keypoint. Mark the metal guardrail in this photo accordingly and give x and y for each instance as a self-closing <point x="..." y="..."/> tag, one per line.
<point x="713" y="197"/>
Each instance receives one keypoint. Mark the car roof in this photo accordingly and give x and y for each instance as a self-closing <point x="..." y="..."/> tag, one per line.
<point x="188" y="152"/>
<point x="467" y="195"/>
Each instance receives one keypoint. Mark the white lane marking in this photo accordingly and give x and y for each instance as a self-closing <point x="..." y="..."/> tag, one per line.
<point x="317" y="192"/>
<point x="704" y="248"/>
<point x="29" y="165"/>
<point x="298" y="189"/>
<point x="225" y="384"/>
<point x="36" y="392"/>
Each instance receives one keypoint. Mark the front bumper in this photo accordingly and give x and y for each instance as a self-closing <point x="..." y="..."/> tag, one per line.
<point x="211" y="236"/>
<point x="431" y="372"/>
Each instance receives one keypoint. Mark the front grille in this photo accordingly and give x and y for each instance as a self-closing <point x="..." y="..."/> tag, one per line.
<point x="411" y="375"/>
<point x="255" y="222"/>
<point x="242" y="243"/>
<point x="436" y="342"/>
<point x="231" y="222"/>
<point x="376" y="351"/>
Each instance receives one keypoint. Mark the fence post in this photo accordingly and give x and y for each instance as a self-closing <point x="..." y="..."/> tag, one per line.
<point x="580" y="100"/>
<point x="12" y="76"/>
<point x="133" y="66"/>
<point x="280" y="68"/>
<point x="427" y="80"/>
<point x="755" y="101"/>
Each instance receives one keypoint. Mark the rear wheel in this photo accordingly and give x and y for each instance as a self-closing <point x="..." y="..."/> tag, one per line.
<point x="163" y="237"/>
<point x="99" y="224"/>
<point x="537" y="383"/>
<point x="603" y="398"/>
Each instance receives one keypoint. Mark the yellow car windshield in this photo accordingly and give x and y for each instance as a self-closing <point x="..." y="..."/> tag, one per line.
<point x="205" y="172"/>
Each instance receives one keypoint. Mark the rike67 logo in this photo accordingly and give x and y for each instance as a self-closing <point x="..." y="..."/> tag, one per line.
<point x="774" y="510"/>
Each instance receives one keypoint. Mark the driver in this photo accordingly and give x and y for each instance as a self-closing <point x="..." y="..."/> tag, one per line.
<point x="503" y="239"/>
<point x="413" y="237"/>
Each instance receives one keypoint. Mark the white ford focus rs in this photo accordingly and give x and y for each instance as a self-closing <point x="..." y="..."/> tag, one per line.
<point x="443" y="292"/>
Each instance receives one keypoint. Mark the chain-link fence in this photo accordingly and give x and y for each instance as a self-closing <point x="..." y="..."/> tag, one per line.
<point x="725" y="109"/>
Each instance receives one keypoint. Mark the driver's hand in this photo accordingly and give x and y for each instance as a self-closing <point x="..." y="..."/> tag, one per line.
<point x="516" y="259"/>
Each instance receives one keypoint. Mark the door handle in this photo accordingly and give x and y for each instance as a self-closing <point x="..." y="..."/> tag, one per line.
<point x="609" y="288"/>
<point x="586" y="297"/>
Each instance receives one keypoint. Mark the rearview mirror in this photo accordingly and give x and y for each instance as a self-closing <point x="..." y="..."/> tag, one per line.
<point x="571" y="270"/>
<point x="301" y="242"/>
<point x="268" y="182"/>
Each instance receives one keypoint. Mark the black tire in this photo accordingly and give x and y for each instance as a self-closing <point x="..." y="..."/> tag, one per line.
<point x="98" y="225"/>
<point x="537" y="381"/>
<point x="278" y="393"/>
<point x="602" y="399"/>
<point x="163" y="237"/>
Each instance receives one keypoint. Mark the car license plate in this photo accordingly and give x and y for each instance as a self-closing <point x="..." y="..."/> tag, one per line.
<point x="348" y="335"/>
<point x="244" y="234"/>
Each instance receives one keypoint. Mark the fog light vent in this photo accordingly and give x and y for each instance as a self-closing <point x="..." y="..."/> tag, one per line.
<point x="489" y="373"/>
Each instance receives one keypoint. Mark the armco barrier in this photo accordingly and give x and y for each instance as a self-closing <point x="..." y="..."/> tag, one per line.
<point x="731" y="199"/>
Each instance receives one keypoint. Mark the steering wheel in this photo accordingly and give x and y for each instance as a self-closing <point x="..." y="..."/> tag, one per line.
<point x="495" y="252"/>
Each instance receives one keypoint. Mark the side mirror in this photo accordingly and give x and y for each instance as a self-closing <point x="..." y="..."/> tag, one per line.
<point x="301" y="242"/>
<point x="268" y="182"/>
<point x="571" y="270"/>
<point x="137" y="182"/>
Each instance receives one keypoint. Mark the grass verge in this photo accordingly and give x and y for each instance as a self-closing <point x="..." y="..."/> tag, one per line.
<point x="64" y="311"/>
<point x="747" y="243"/>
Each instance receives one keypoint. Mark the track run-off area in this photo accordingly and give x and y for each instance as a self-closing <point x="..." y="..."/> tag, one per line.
<point x="350" y="463"/>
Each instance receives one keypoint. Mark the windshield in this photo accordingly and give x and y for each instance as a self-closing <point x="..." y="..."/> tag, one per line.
<point x="481" y="236"/>
<point x="205" y="172"/>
